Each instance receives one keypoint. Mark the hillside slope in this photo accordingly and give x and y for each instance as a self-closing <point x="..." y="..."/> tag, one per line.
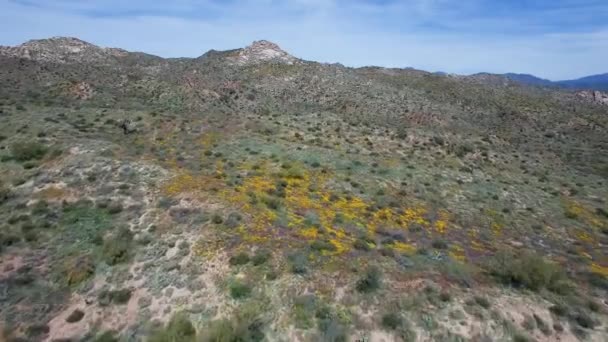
<point x="250" y="195"/>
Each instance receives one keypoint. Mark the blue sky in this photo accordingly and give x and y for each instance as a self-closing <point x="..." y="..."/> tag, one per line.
<point x="557" y="39"/>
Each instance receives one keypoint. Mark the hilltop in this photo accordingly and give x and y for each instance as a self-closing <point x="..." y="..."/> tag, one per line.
<point x="250" y="195"/>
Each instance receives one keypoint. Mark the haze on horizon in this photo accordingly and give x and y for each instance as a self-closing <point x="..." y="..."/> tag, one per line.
<point x="561" y="39"/>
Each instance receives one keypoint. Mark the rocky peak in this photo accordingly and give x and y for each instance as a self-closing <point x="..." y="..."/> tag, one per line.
<point x="60" y="50"/>
<point x="261" y="51"/>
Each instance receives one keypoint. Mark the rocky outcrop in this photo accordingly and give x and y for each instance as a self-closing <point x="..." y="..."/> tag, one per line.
<point x="81" y="90"/>
<point x="262" y="51"/>
<point x="594" y="96"/>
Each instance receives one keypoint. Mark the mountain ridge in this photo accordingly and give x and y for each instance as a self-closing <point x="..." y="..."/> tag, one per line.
<point x="68" y="48"/>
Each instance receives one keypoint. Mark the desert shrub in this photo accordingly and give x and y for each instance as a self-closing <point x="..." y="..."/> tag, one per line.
<point x="40" y="208"/>
<point x="75" y="316"/>
<point x="584" y="320"/>
<point x="107" y="336"/>
<point x="361" y="245"/>
<point x="391" y="321"/>
<point x="542" y="325"/>
<point x="37" y="330"/>
<point x="303" y="311"/>
<point x="597" y="280"/>
<point x="298" y="263"/>
<point x="593" y="305"/>
<point x="8" y="239"/>
<point x="482" y="301"/>
<point x="529" y="270"/>
<point x="332" y="330"/>
<point x="243" y="327"/>
<point x="107" y="297"/>
<point x="319" y="245"/>
<point x="272" y="275"/>
<point x="217" y="219"/>
<point x="559" y="310"/>
<point x="240" y="259"/>
<point x="26" y="151"/>
<point x="272" y="202"/>
<point x="5" y="193"/>
<point x="438" y="140"/>
<point x="370" y="282"/>
<point x="233" y="220"/>
<point x="239" y="290"/>
<point x="520" y="337"/>
<point x="445" y="296"/>
<point x="179" y="329"/>
<point x="439" y="244"/>
<point x="116" y="248"/>
<point x="571" y="214"/>
<point x="78" y="269"/>
<point x="261" y="257"/>
<point x="458" y="272"/>
<point x="114" y="208"/>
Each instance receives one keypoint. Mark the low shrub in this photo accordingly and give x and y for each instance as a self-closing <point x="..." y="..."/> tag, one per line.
<point x="26" y="151"/>
<point x="482" y="301"/>
<point x="239" y="259"/>
<point x="391" y="321"/>
<point x="529" y="270"/>
<point x="239" y="290"/>
<point x="370" y="282"/>
<point x="5" y="193"/>
<point x="233" y="220"/>
<point x="179" y="329"/>
<point x="117" y="248"/>
<point x="107" y="336"/>
<point x="78" y="269"/>
<point x="298" y="263"/>
<point x="319" y="245"/>
<point x="107" y="297"/>
<point x="248" y="329"/>
<point x="261" y="257"/>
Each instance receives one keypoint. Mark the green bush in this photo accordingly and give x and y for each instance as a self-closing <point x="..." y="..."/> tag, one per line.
<point x="239" y="259"/>
<point x="179" y="329"/>
<point x="233" y="220"/>
<point x="78" y="269"/>
<point x="116" y="248"/>
<point x="217" y="219"/>
<point x="5" y="193"/>
<point x="261" y="257"/>
<point x="585" y="320"/>
<point x="298" y="263"/>
<point x="319" y="245"/>
<point x="26" y="151"/>
<point x="107" y="336"/>
<point x="482" y="301"/>
<point x="236" y="330"/>
<point x="529" y="270"/>
<point x="239" y="290"/>
<point x="108" y="297"/>
<point x="370" y="282"/>
<point x="391" y="321"/>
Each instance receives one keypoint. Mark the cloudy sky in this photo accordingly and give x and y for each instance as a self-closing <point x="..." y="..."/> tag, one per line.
<point x="555" y="39"/>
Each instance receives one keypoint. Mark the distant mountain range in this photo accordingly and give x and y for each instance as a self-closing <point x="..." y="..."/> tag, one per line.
<point x="595" y="82"/>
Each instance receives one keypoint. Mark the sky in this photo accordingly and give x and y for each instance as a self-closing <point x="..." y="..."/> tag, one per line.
<point x="554" y="39"/>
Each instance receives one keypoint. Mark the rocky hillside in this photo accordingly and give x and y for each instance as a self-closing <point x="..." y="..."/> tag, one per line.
<point x="249" y="195"/>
